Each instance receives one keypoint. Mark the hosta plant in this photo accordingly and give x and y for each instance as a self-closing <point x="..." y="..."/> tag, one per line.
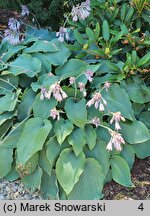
<point x="73" y="117"/>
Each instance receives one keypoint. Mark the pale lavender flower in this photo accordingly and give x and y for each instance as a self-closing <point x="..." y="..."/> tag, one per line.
<point x="72" y="80"/>
<point x="43" y="91"/>
<point x="107" y="85"/>
<point x="62" y="34"/>
<point x="117" y="117"/>
<point x="116" y="140"/>
<point x="12" y="37"/>
<point x="81" y="11"/>
<point x="89" y="75"/>
<point x="98" y="101"/>
<point x="57" y="92"/>
<point x="96" y="121"/>
<point x="25" y="10"/>
<point x="82" y="89"/>
<point x="54" y="113"/>
<point x="13" y="24"/>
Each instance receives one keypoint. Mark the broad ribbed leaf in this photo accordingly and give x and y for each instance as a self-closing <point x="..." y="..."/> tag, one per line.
<point x="11" y="52"/>
<point x="128" y="154"/>
<point x="6" y="159"/>
<point x="49" y="186"/>
<point x="118" y="100"/>
<point x="33" y="181"/>
<point x="41" y="108"/>
<point x="90" y="136"/>
<point x="44" y="162"/>
<point x="73" y="67"/>
<point x="142" y="150"/>
<point x="5" y="116"/>
<point x="25" y="64"/>
<point x="90" y="184"/>
<point x="69" y="167"/>
<point x="62" y="129"/>
<point x="53" y="150"/>
<point x="76" y="111"/>
<point x="60" y="57"/>
<point x="8" y="102"/>
<point x="120" y="171"/>
<point x="25" y="107"/>
<point x="42" y="46"/>
<point x="101" y="154"/>
<point x="11" y="139"/>
<point x="77" y="139"/>
<point x="135" y="132"/>
<point x="32" y="138"/>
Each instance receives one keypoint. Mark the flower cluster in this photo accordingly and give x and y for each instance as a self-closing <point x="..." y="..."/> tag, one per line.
<point x="81" y="11"/>
<point x="117" y="117"/>
<point x="62" y="34"/>
<point x="55" y="114"/>
<point x="25" y="10"/>
<point x="82" y="89"/>
<point x="89" y="75"/>
<point x="54" y="89"/>
<point x="13" y="34"/>
<point x="98" y="101"/>
<point x="116" y="140"/>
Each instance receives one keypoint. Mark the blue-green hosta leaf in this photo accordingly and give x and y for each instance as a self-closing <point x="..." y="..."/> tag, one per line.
<point x="62" y="129"/>
<point x="128" y="154"/>
<point x="77" y="139"/>
<point x="90" y="136"/>
<point x="5" y="116"/>
<point x="8" y="83"/>
<point x="42" y="46"/>
<point x="13" y="174"/>
<point x="49" y="186"/>
<point x="60" y="57"/>
<point x="11" y="52"/>
<point x="32" y="138"/>
<point x="25" y="107"/>
<point x="69" y="167"/>
<point x="120" y="171"/>
<point x="25" y="64"/>
<point x="44" y="162"/>
<point x="73" y="67"/>
<point x="33" y="181"/>
<point x="142" y="150"/>
<point x="135" y="132"/>
<point x="6" y="159"/>
<point x="41" y="108"/>
<point x="45" y="65"/>
<point x="137" y="92"/>
<point x="145" y="118"/>
<point x="90" y="184"/>
<point x="11" y="139"/>
<point x="118" y="100"/>
<point x="76" y="111"/>
<point x="101" y="154"/>
<point x="8" y="102"/>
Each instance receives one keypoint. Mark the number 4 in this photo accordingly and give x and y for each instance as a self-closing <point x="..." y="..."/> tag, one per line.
<point x="141" y="207"/>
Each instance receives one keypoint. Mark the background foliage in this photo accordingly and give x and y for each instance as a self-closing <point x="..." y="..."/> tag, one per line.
<point x="113" y="42"/>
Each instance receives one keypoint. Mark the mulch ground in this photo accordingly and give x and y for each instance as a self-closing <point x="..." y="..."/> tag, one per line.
<point x="141" y="179"/>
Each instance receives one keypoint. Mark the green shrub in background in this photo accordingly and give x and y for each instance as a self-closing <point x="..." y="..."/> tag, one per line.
<point x="74" y="117"/>
<point x="50" y="13"/>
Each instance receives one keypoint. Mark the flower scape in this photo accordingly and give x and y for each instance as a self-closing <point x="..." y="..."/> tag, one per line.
<point x="75" y="103"/>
